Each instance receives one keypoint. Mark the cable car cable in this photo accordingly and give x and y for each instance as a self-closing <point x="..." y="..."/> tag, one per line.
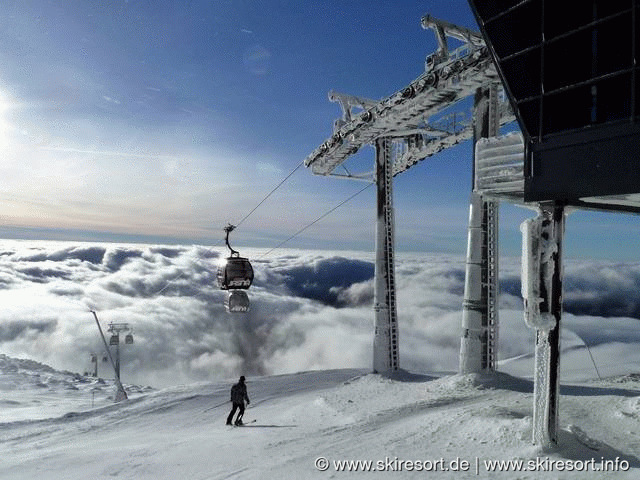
<point x="269" y="194"/>
<point x="273" y="190"/>
<point x="317" y="220"/>
<point x="351" y="197"/>
<point x="169" y="282"/>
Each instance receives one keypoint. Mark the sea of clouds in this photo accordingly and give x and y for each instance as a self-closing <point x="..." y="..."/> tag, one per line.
<point x="309" y="310"/>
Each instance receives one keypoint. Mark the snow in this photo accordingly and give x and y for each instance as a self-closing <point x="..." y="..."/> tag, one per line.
<point x="453" y="421"/>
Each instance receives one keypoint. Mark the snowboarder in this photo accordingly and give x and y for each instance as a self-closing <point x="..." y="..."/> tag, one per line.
<point x="238" y="397"/>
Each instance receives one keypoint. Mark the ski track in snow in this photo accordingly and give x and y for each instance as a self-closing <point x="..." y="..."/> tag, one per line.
<point x="338" y="414"/>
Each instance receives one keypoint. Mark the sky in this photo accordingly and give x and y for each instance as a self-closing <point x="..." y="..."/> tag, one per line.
<point x="148" y="121"/>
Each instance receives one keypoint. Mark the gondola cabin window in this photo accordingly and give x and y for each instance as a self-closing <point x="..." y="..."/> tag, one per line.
<point x="235" y="272"/>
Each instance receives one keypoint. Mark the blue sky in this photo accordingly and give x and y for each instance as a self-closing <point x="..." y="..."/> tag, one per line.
<point x="156" y="120"/>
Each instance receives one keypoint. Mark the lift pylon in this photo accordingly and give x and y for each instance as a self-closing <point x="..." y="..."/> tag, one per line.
<point x="416" y="122"/>
<point x="121" y="394"/>
<point x="478" y="345"/>
<point x="385" y="341"/>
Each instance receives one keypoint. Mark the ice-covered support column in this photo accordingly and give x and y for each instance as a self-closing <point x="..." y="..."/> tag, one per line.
<point x="480" y="310"/>
<point x="474" y="305"/>
<point x="385" y="342"/>
<point x="542" y="273"/>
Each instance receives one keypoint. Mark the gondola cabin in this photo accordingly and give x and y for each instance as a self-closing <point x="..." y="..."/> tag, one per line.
<point x="235" y="273"/>
<point x="237" y="301"/>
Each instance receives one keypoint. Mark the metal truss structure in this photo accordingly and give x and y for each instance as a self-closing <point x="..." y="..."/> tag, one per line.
<point x="416" y="122"/>
<point x="420" y="114"/>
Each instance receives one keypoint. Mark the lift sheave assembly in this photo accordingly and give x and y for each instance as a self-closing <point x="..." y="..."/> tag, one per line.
<point x="235" y="275"/>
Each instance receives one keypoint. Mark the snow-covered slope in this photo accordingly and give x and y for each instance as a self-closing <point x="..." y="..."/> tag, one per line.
<point x="459" y="423"/>
<point x="31" y="390"/>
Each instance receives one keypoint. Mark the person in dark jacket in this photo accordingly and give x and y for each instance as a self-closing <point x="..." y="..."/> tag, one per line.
<point x="238" y="397"/>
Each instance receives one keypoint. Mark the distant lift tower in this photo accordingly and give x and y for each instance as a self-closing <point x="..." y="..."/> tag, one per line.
<point x="115" y="329"/>
<point x="121" y="394"/>
<point x="94" y="361"/>
<point x="414" y="123"/>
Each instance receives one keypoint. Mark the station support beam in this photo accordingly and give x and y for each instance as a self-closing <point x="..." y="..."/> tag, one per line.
<point x="542" y="273"/>
<point x="547" y="432"/>
<point x="478" y="345"/>
<point x="385" y="342"/>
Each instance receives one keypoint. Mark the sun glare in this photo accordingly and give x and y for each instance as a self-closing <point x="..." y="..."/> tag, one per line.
<point x="5" y="127"/>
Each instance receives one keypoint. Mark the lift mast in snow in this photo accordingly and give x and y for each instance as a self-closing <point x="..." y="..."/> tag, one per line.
<point x="414" y="123"/>
<point x="116" y="329"/>
<point x="121" y="394"/>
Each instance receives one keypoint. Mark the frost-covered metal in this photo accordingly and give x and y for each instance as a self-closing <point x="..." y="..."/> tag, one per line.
<point x="385" y="341"/>
<point x="416" y="122"/>
<point x="490" y="351"/>
<point x="418" y="113"/>
<point x="542" y="294"/>
<point x="499" y="166"/>
<point x="538" y="249"/>
<point x="479" y="341"/>
<point x="474" y="305"/>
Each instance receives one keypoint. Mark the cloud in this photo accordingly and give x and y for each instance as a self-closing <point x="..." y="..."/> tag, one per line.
<point x="599" y="289"/>
<point x="331" y="281"/>
<point x="10" y="331"/>
<point x="89" y="254"/>
<point x="309" y="310"/>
